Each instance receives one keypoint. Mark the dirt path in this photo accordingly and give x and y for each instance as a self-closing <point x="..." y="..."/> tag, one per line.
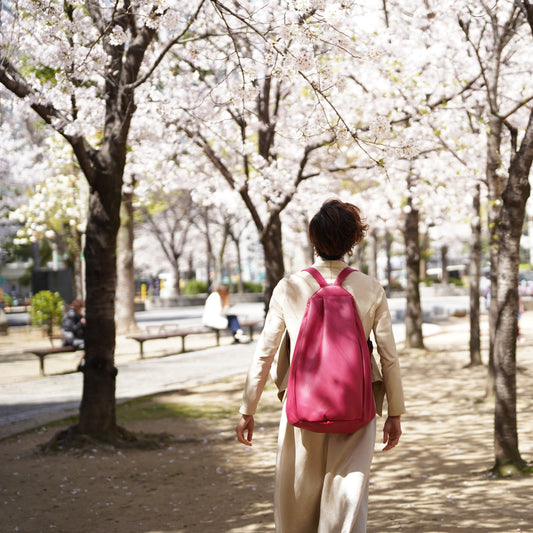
<point x="204" y="482"/>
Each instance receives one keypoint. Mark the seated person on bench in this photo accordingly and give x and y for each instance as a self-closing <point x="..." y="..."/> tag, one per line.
<point x="217" y="315"/>
<point x="73" y="327"/>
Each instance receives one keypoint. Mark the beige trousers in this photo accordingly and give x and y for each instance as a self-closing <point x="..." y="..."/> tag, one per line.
<point x="322" y="480"/>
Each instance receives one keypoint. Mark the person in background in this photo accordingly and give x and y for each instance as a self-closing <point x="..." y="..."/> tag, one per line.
<point x="322" y="479"/>
<point x="217" y="314"/>
<point x="73" y="325"/>
<point x="73" y="328"/>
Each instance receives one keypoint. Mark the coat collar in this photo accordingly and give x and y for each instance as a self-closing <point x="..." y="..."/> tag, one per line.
<point x="336" y="264"/>
<point x="329" y="269"/>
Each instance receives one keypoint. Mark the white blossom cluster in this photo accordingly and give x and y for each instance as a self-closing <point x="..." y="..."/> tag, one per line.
<point x="276" y="99"/>
<point x="55" y="204"/>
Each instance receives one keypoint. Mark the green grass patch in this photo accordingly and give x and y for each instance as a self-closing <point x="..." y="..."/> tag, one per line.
<point x="141" y="409"/>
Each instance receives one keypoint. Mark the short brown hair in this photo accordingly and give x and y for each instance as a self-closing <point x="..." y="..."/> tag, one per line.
<point x="336" y="229"/>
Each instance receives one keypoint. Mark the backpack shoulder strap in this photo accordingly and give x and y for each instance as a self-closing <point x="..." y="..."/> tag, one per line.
<point x="322" y="282"/>
<point x="317" y="275"/>
<point x="343" y="275"/>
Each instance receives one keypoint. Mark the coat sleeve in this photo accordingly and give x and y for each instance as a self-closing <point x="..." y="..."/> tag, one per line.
<point x="388" y="356"/>
<point x="267" y="346"/>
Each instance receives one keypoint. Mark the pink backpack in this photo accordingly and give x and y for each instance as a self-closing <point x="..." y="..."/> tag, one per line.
<point x="330" y="382"/>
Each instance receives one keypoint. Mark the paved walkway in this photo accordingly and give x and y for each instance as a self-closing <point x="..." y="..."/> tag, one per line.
<point x="28" y="400"/>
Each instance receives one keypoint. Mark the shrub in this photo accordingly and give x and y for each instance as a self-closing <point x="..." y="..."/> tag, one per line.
<point x="47" y="310"/>
<point x="193" y="286"/>
<point x="249" y="286"/>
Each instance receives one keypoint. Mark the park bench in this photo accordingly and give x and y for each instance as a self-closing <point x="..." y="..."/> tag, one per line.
<point x="41" y="353"/>
<point x="168" y="331"/>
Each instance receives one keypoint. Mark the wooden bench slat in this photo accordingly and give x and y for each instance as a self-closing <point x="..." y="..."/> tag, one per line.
<point x="141" y="338"/>
<point x="167" y="331"/>
<point x="41" y="353"/>
<point x="57" y="349"/>
<point x="164" y="331"/>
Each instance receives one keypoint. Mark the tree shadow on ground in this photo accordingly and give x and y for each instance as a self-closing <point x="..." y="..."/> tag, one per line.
<point x="203" y="481"/>
<point x="438" y="480"/>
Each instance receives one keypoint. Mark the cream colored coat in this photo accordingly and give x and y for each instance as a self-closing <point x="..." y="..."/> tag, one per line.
<point x="286" y="311"/>
<point x="322" y="479"/>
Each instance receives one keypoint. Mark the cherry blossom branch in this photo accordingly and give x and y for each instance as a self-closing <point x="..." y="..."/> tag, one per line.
<point x="353" y="135"/>
<point x="449" y="148"/>
<point x="221" y="7"/>
<point x="201" y="142"/>
<point x="234" y="41"/>
<point x="171" y="43"/>
<point x="13" y="81"/>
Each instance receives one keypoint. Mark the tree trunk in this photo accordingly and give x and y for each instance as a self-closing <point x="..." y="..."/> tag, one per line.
<point x="413" y="316"/>
<point x="97" y="410"/>
<point x="444" y="261"/>
<point x="125" y="305"/>
<point x="495" y="184"/>
<point x="105" y="176"/>
<point x="507" y="456"/>
<point x="177" y="277"/>
<point x="70" y="246"/>
<point x="423" y="252"/>
<point x="474" y="276"/>
<point x="388" y="247"/>
<point x="272" y="246"/>
<point x="208" y="249"/>
<point x="240" y="285"/>
<point x="357" y="260"/>
<point x="372" y="255"/>
<point x="78" y="267"/>
<point x="220" y="257"/>
<point x="515" y="195"/>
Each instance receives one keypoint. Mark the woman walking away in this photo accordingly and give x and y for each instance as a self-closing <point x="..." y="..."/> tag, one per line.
<point x="322" y="478"/>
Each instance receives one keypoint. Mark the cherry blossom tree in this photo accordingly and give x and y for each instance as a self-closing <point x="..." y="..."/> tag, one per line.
<point x="222" y="224"/>
<point x="57" y="212"/>
<point x="492" y="65"/>
<point x="421" y="85"/>
<point x="268" y="112"/>
<point x="499" y="36"/>
<point x="169" y="218"/>
<point x="79" y="68"/>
